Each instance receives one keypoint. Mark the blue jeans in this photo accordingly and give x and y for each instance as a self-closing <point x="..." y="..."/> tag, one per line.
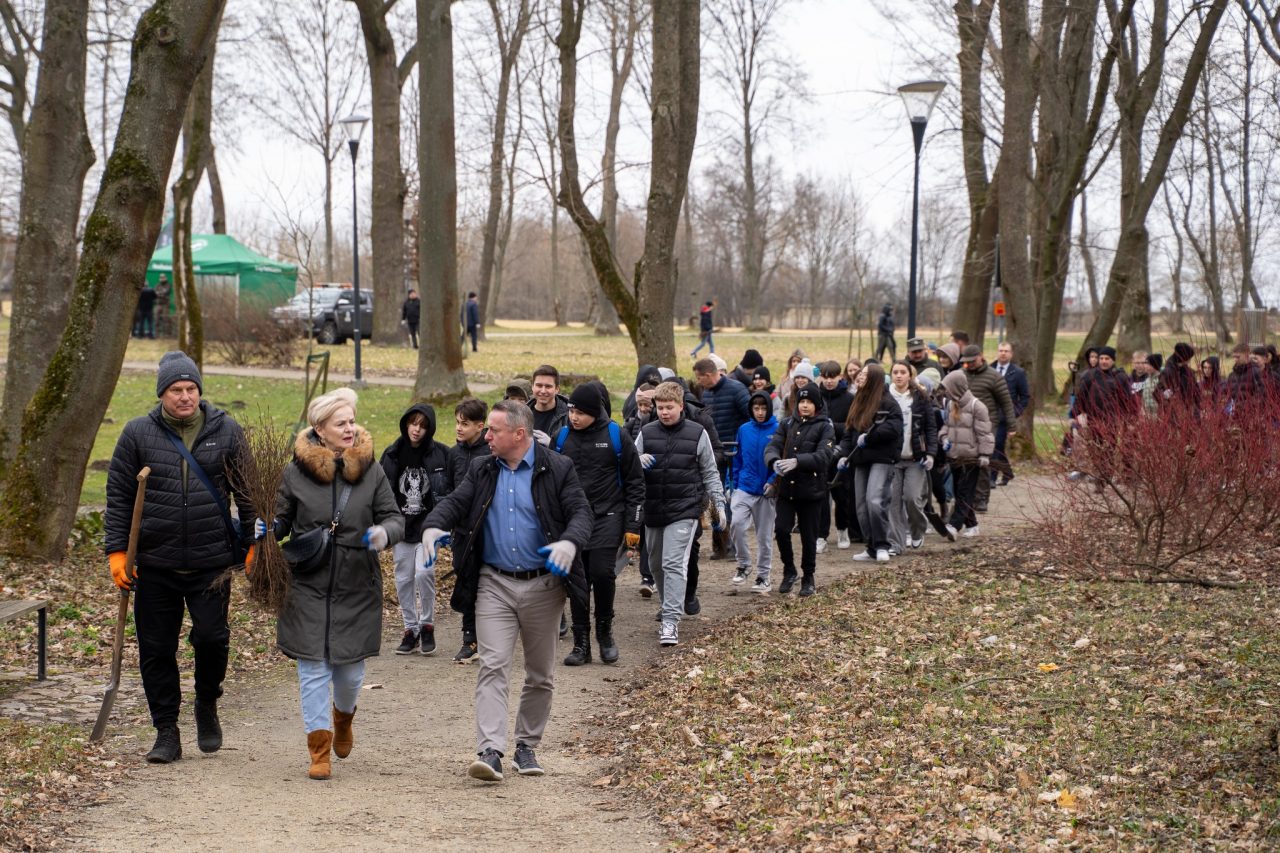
<point x="704" y="340"/>
<point x="314" y="679"/>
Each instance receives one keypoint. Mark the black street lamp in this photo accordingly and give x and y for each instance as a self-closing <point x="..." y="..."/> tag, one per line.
<point x="919" y="99"/>
<point x="353" y="126"/>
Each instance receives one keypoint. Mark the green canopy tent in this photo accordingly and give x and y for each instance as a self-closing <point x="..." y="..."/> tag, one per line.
<point x="224" y="263"/>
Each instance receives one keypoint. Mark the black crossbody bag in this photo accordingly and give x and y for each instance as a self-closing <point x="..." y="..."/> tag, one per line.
<point x="310" y="551"/>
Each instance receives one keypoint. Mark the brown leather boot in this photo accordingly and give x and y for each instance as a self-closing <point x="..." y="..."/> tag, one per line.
<point x="343" y="738"/>
<point x="318" y="744"/>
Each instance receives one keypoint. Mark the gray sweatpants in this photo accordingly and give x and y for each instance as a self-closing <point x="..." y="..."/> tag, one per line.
<point x="747" y="510"/>
<point x="906" y="503"/>
<point x="669" y="562"/>
<point x="417" y="594"/>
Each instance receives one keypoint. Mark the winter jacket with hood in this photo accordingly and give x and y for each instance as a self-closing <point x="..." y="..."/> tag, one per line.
<point x="561" y="505"/>
<point x="646" y="373"/>
<point x="182" y="526"/>
<point x="809" y="441"/>
<point x="883" y="445"/>
<point x="953" y="352"/>
<point x="837" y="403"/>
<point x="419" y="476"/>
<point x="461" y="455"/>
<point x="615" y="489"/>
<point x="750" y="473"/>
<point x="335" y="614"/>
<point x="968" y="425"/>
<point x="992" y="391"/>
<point x="727" y="401"/>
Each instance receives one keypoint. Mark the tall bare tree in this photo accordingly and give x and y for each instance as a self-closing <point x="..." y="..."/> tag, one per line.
<point x="17" y="49"/>
<point x="440" y="372"/>
<point x="56" y="155"/>
<point x="318" y="76"/>
<point x="40" y="486"/>
<point x="387" y="75"/>
<point x="647" y="305"/>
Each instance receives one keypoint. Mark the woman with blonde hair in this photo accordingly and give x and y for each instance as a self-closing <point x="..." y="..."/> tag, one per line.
<point x="332" y="617"/>
<point x="788" y="383"/>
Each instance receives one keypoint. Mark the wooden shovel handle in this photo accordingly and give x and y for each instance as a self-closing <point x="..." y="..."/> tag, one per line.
<point x="135" y="525"/>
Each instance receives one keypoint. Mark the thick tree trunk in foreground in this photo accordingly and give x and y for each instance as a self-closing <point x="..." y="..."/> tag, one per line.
<point x="440" y="372"/>
<point x="41" y="487"/>
<point x="648" y="305"/>
<point x="56" y="156"/>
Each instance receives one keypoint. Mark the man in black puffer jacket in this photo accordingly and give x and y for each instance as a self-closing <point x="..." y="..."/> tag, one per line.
<point x="800" y="453"/>
<point x="514" y="566"/>
<point x="608" y="465"/>
<point x="185" y="544"/>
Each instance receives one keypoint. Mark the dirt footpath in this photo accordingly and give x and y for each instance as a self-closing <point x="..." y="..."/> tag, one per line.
<point x="405" y="784"/>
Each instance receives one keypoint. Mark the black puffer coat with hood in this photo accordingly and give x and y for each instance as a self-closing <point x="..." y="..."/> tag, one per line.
<point x="419" y="476"/>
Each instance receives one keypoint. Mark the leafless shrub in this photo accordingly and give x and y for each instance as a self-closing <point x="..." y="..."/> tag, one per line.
<point x="259" y="471"/>
<point x="242" y="331"/>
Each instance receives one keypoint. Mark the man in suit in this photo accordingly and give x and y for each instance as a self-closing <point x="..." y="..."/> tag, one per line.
<point x="1020" y="391"/>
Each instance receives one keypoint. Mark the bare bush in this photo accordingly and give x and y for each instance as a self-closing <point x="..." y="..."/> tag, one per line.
<point x="1175" y="497"/>
<point x="243" y="332"/>
<point x="259" y="471"/>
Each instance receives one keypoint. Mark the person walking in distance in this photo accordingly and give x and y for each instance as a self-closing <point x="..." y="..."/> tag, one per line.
<point x="884" y="334"/>
<point x="410" y="315"/>
<point x="473" y="319"/>
<point x="609" y="468"/>
<point x="187" y="543"/>
<point x="417" y="467"/>
<point x="521" y="519"/>
<point x="706" y="325"/>
<point x="680" y="476"/>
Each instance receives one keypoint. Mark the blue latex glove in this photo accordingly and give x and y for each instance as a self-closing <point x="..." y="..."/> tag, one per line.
<point x="375" y="538"/>
<point x="842" y="463"/>
<point x="559" y="557"/>
<point x="432" y="538"/>
<point x="646" y="461"/>
<point x="946" y="446"/>
<point x="717" y="518"/>
<point x="259" y="529"/>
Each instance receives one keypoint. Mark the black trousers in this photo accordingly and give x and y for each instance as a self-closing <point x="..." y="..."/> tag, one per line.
<point x="413" y="334"/>
<point x="474" y="333"/>
<point x="806" y="515"/>
<point x="691" y="576"/>
<point x="599" y="563"/>
<point x="159" y="601"/>
<point x="966" y="479"/>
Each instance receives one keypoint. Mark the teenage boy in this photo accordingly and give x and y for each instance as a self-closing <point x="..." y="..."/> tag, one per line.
<point x="468" y="418"/>
<point x="680" y="470"/>
<point x="607" y="464"/>
<point x="753" y="501"/>
<point x="418" y="469"/>
<point x="642" y="413"/>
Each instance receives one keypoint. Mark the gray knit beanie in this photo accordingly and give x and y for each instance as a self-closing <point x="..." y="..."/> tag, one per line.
<point x="176" y="366"/>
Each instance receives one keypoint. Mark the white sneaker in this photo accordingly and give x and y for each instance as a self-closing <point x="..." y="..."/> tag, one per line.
<point x="895" y="551"/>
<point x="951" y="533"/>
<point x="916" y="543"/>
<point x="842" y="540"/>
<point x="864" y="557"/>
<point x="740" y="576"/>
<point x="970" y="531"/>
<point x="669" y="634"/>
<point x="822" y="546"/>
<point x="761" y="586"/>
<point x="882" y="556"/>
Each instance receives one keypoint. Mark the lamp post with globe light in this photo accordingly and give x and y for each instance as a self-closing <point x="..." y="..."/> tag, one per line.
<point x="919" y="99"/>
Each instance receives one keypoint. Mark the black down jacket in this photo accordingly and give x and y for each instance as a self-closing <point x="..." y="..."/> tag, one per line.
<point x="558" y="499"/>
<point x="615" y="489"/>
<point x="182" y="527"/>
<point x="809" y="441"/>
<point x="883" y="444"/>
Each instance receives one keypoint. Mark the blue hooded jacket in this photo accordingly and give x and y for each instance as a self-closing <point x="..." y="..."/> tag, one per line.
<point x="749" y="473"/>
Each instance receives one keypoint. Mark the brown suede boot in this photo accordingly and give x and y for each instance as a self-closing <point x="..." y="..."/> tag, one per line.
<point x="318" y="744"/>
<point x="343" y="738"/>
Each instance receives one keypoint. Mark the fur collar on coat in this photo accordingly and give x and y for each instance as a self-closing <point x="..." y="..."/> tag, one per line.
<point x="319" y="463"/>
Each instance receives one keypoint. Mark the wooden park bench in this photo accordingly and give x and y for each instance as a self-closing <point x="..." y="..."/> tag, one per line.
<point x="10" y="610"/>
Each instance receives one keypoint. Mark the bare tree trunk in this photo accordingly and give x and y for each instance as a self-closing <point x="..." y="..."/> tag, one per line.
<point x="386" y="77"/>
<point x="1086" y="254"/>
<point x="1176" y="264"/>
<point x="41" y="486"/>
<point x="1133" y="233"/>
<point x="197" y="144"/>
<point x="1015" y="168"/>
<point x="510" y="35"/>
<point x="440" y="373"/>
<point x="646" y="308"/>
<point x="57" y="153"/>
<point x="216" y="198"/>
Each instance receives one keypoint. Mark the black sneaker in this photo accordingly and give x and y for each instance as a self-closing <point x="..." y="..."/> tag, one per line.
<point x="488" y="767"/>
<point x="168" y="746"/>
<point x="788" y="581"/>
<point x="807" y="588"/>
<point x="408" y="642"/>
<point x="692" y="607"/>
<point x="208" y="729"/>
<point x="526" y="762"/>
<point x="466" y="654"/>
<point x="647" y="589"/>
<point x="427" y="640"/>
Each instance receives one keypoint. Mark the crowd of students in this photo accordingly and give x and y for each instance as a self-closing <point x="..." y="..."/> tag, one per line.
<point x="879" y="452"/>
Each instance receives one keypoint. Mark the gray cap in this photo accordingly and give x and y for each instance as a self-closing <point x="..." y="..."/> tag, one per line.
<point x="666" y="373"/>
<point x="176" y="366"/>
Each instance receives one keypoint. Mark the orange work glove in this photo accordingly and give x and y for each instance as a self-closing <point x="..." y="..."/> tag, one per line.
<point x="117" y="560"/>
<point x="248" y="558"/>
<point x="632" y="540"/>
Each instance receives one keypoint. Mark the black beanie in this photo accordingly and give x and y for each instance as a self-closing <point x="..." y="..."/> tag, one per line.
<point x="176" y="366"/>
<point x="1155" y="361"/>
<point x="586" y="399"/>
<point x="810" y="393"/>
<point x="751" y="359"/>
<point x="1184" y="352"/>
<point x="762" y="372"/>
<point x="1109" y="352"/>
